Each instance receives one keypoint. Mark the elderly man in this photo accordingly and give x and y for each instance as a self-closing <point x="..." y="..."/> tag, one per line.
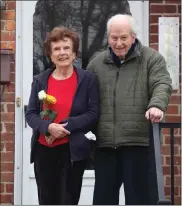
<point x="135" y="88"/>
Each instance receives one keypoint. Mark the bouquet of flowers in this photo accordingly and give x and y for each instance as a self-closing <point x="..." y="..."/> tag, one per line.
<point x="47" y="112"/>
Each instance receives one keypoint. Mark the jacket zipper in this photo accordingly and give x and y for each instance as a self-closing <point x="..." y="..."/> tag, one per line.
<point x="114" y="108"/>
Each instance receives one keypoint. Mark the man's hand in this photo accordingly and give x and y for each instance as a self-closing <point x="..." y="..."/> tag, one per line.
<point x="58" y="130"/>
<point x="154" y="114"/>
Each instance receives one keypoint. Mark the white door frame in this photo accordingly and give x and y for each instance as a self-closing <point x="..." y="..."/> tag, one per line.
<point x="18" y="167"/>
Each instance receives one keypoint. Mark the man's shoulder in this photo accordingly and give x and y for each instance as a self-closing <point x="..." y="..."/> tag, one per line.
<point x="149" y="52"/>
<point x="85" y="73"/>
<point x="99" y="56"/>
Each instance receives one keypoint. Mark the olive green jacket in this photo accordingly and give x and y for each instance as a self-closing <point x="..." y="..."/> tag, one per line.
<point x="127" y="92"/>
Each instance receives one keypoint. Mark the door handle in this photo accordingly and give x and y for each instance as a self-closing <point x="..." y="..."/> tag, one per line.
<point x="25" y="110"/>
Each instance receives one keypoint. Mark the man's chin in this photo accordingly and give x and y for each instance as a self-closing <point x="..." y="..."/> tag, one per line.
<point x="121" y="55"/>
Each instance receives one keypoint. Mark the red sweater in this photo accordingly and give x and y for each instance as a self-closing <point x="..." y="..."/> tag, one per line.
<point x="63" y="91"/>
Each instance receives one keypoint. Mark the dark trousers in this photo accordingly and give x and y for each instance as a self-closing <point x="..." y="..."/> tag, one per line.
<point x="58" y="180"/>
<point x="78" y="169"/>
<point x="52" y="169"/>
<point x="127" y="165"/>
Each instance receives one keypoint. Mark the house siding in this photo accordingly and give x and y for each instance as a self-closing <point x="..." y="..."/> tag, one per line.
<point x="8" y="35"/>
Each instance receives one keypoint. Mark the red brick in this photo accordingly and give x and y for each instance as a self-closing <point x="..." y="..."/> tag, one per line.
<point x="11" y="5"/>
<point x="157" y="1"/>
<point x="11" y="107"/>
<point x="165" y="150"/>
<point x="172" y="109"/>
<point x="177" y="180"/>
<point x="2" y="145"/>
<point x="7" y="176"/>
<point x="6" y="198"/>
<point x="175" y="119"/>
<point x="7" y="136"/>
<point x="159" y="8"/>
<point x="4" y="45"/>
<point x="167" y="131"/>
<point x="10" y="87"/>
<point x="10" y="146"/>
<point x="2" y="25"/>
<point x="7" y="36"/>
<point x="2" y="188"/>
<point x="168" y="191"/>
<point x="153" y="29"/>
<point x="163" y="160"/>
<point x="10" y="127"/>
<point x="8" y="15"/>
<point x="2" y="108"/>
<point x="11" y="45"/>
<point x="153" y="38"/>
<point x="10" y="25"/>
<point x="7" y="167"/>
<point x="12" y="66"/>
<point x="8" y="97"/>
<point x="177" y="200"/>
<point x="7" y="117"/>
<point x="154" y="18"/>
<point x="177" y="160"/>
<point x="172" y="1"/>
<point x="9" y="188"/>
<point x="7" y="156"/>
<point x="12" y="76"/>
<point x="175" y="99"/>
<point x="177" y="140"/>
<point x="166" y="170"/>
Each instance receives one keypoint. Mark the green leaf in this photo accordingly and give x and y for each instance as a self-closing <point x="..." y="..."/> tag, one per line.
<point x="46" y="111"/>
<point x="42" y="114"/>
<point x="52" y="114"/>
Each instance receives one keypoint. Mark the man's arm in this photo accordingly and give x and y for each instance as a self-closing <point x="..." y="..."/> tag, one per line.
<point x="160" y="88"/>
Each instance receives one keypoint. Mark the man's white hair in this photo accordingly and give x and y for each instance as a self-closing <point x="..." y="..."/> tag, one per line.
<point x="120" y="18"/>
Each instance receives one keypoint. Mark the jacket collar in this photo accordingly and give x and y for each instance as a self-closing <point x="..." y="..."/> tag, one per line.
<point x="44" y="76"/>
<point x="134" y="51"/>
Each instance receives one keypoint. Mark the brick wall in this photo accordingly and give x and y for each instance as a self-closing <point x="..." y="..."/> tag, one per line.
<point x="169" y="8"/>
<point x="8" y="108"/>
<point x="157" y="8"/>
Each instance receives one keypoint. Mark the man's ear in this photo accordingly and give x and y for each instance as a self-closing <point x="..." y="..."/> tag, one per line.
<point x="134" y="37"/>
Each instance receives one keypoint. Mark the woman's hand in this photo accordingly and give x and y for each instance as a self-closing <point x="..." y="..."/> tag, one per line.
<point x="58" y="130"/>
<point x="50" y="139"/>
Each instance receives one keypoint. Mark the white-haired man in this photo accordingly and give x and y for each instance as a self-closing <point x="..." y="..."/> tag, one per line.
<point x="135" y="88"/>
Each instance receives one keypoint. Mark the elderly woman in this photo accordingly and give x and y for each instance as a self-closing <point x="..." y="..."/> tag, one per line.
<point x="59" y="147"/>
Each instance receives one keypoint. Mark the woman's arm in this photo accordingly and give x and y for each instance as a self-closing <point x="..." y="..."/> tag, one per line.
<point x="86" y="121"/>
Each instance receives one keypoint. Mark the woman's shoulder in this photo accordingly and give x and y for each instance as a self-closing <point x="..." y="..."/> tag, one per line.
<point x="85" y="72"/>
<point x="44" y="74"/>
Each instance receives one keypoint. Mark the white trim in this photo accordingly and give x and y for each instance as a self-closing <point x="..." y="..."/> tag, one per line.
<point x="146" y="22"/>
<point x="18" y="169"/>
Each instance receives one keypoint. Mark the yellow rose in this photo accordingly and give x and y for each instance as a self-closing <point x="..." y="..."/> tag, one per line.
<point x="50" y="99"/>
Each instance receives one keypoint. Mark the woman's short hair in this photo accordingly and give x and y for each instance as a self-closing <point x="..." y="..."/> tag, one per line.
<point x="59" y="33"/>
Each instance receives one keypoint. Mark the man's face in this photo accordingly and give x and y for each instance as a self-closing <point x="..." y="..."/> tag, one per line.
<point x="120" y="39"/>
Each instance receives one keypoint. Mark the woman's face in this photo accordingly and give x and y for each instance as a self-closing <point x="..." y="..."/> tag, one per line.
<point x="62" y="54"/>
